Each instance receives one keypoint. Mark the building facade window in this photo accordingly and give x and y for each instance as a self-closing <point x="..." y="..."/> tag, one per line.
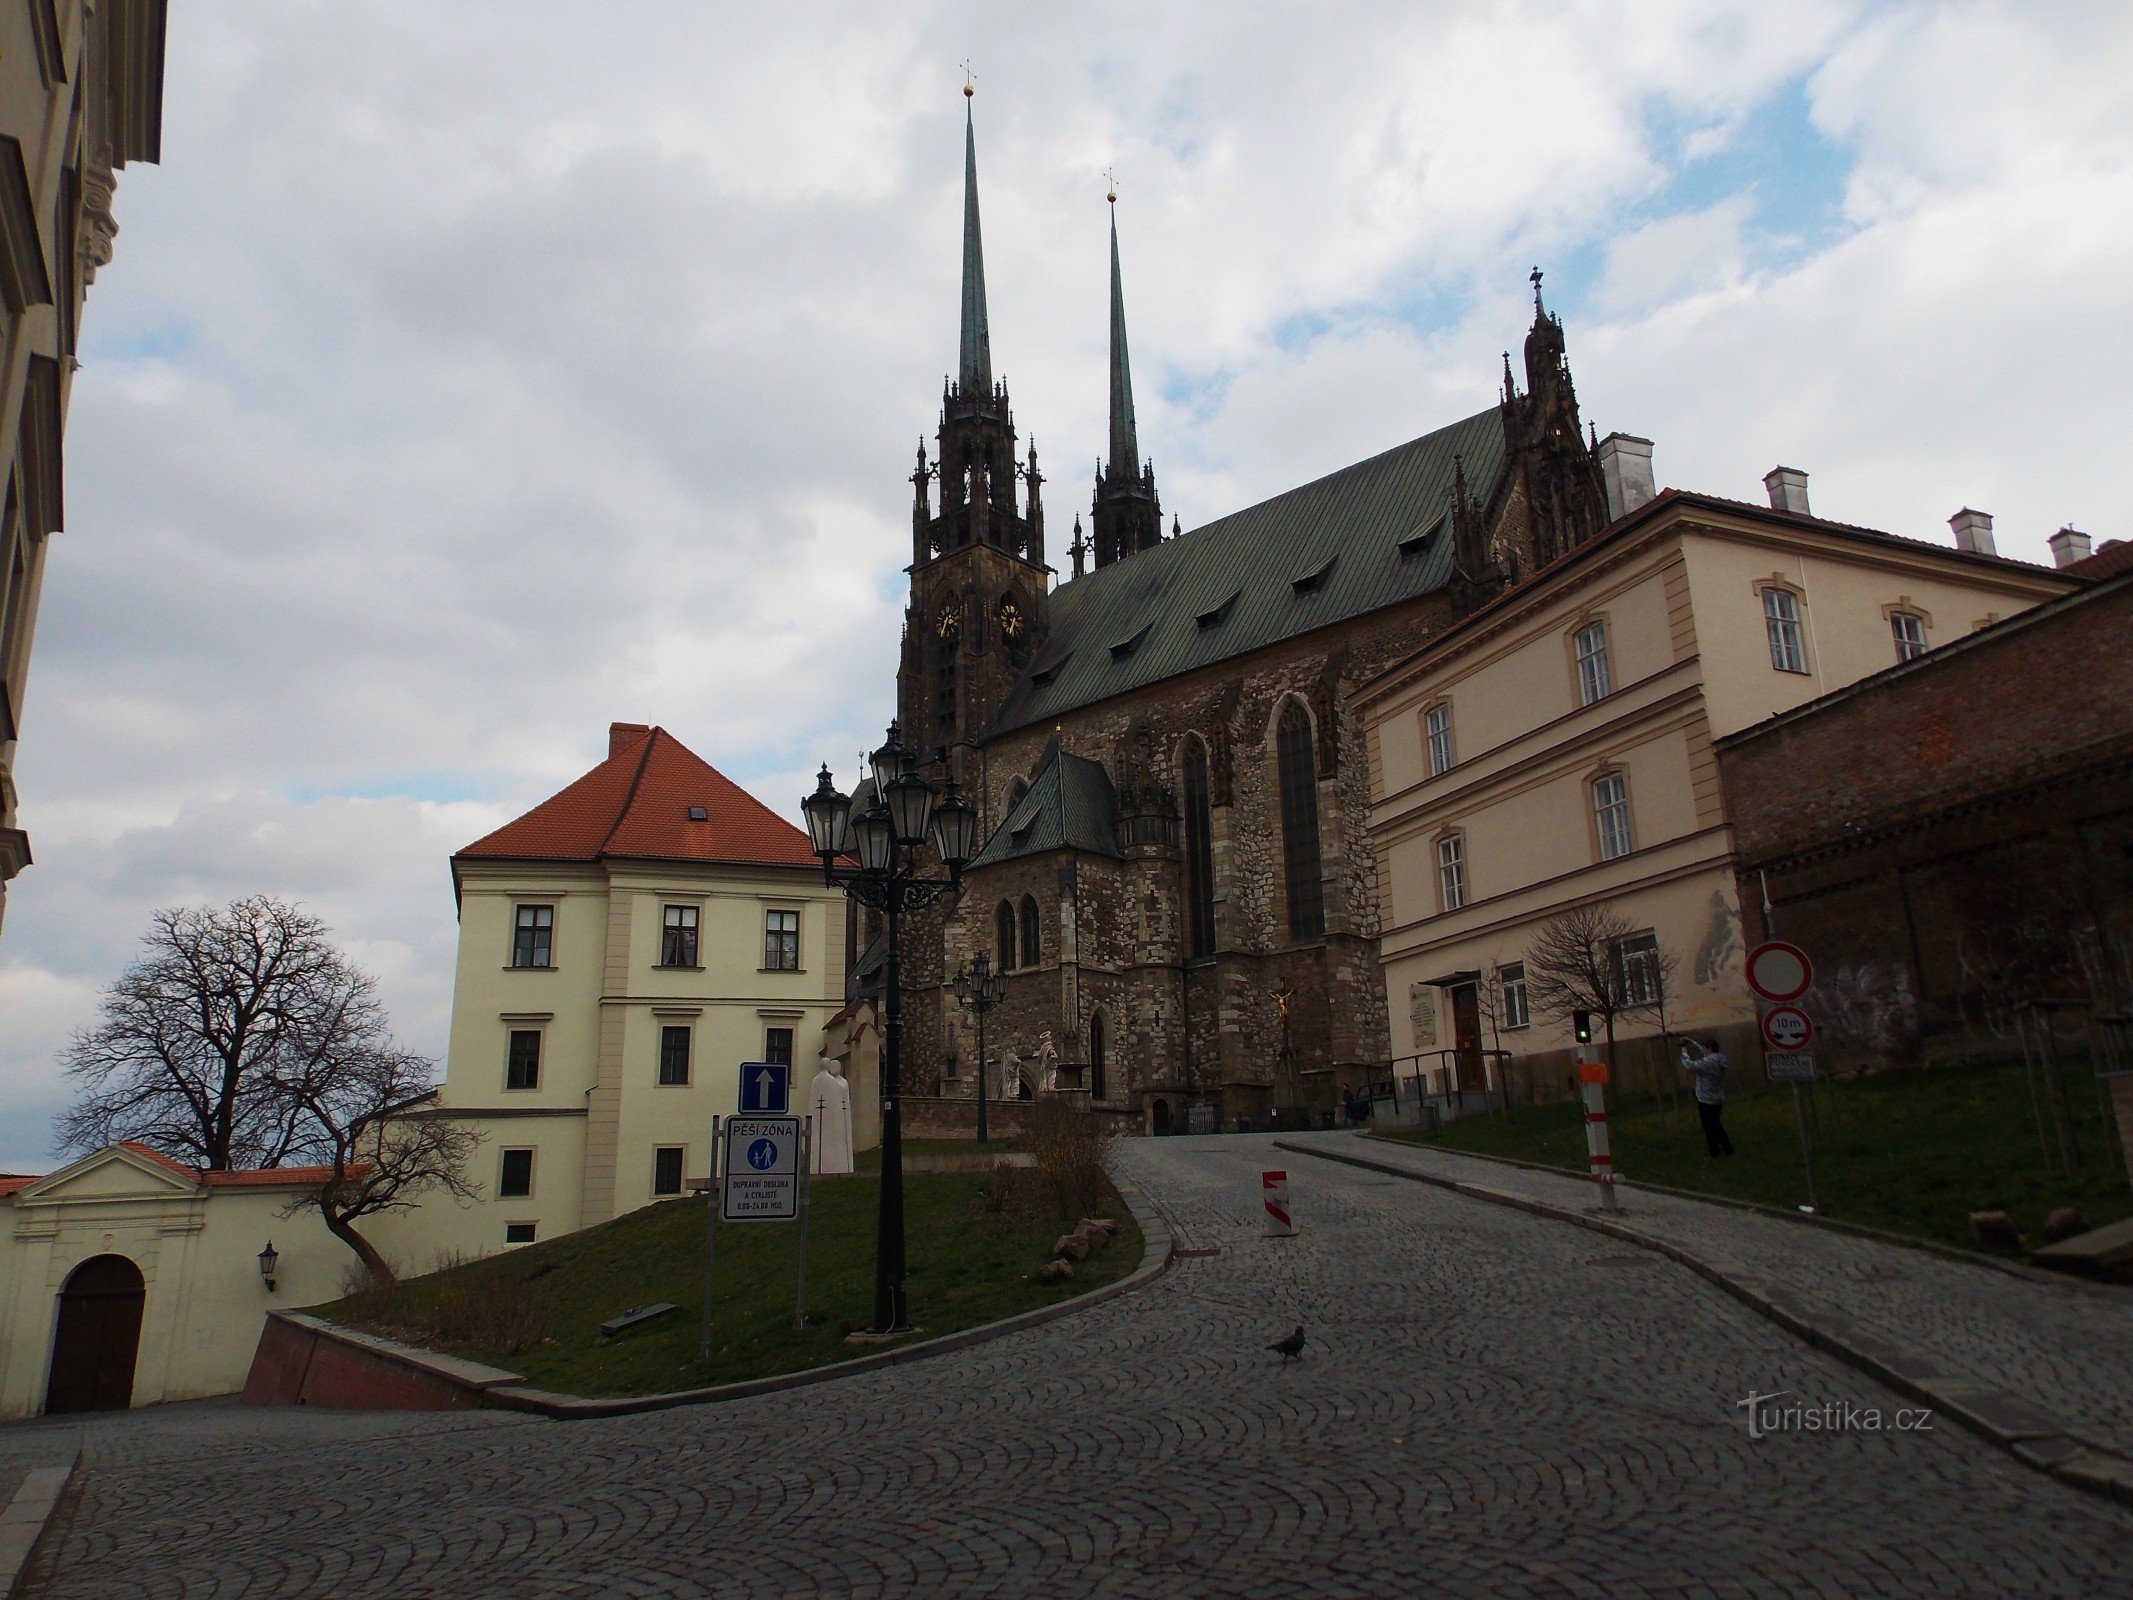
<point x="781" y="941"/>
<point x="1517" y="1004"/>
<point x="1298" y="765"/>
<point x="1781" y="621"/>
<point x="520" y="1232"/>
<point x="514" y="1177"/>
<point x="1437" y="722"/>
<point x="522" y="1059"/>
<point x="674" y="1053"/>
<point x="677" y="936"/>
<point x="1003" y="927"/>
<point x="1636" y="962"/>
<point x="1909" y="629"/>
<point x="1596" y="677"/>
<point x="1451" y="871"/>
<point x="777" y="1046"/>
<point x="1032" y="933"/>
<point x="533" y="937"/>
<point x="1099" y="1067"/>
<point x="1610" y="813"/>
<point x="666" y="1169"/>
<point x="1199" y="854"/>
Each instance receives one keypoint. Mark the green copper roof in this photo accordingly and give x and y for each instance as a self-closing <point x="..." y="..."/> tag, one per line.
<point x="1071" y="806"/>
<point x="1368" y="536"/>
<point x="1125" y="444"/>
<point x="975" y="371"/>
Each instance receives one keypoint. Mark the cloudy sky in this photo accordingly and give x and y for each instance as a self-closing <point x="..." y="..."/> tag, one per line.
<point x="472" y="375"/>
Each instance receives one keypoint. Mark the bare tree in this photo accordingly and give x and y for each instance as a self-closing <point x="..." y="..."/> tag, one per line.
<point x="1586" y="959"/>
<point x="243" y="1038"/>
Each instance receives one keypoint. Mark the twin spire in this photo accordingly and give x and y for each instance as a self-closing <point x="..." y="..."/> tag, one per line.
<point x="1125" y="512"/>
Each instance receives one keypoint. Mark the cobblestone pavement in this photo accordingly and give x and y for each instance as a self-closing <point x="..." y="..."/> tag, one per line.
<point x="1493" y="1404"/>
<point x="2063" y="1346"/>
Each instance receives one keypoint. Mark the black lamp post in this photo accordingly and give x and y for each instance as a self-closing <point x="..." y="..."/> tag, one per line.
<point x="884" y="841"/>
<point x="977" y="990"/>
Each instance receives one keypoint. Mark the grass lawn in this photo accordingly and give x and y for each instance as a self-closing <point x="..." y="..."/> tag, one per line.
<point x="967" y="1265"/>
<point x="1913" y="1152"/>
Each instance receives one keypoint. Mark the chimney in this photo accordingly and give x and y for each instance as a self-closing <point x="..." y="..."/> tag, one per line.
<point x="1973" y="532"/>
<point x="621" y="735"/>
<point x="1626" y="473"/>
<point x="2069" y="545"/>
<point x="1787" y="487"/>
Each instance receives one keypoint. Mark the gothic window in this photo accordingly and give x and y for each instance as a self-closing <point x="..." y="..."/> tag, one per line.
<point x="1299" y="824"/>
<point x="1003" y="921"/>
<point x="1098" y="1072"/>
<point x="1032" y="944"/>
<point x="1199" y="854"/>
<point x="1016" y="789"/>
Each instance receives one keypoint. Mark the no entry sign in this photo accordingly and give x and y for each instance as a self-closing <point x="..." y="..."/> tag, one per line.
<point x="1779" y="971"/>
<point x="1787" y="1028"/>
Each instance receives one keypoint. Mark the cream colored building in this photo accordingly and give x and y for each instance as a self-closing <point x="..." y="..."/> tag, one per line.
<point x="81" y="95"/>
<point x="623" y="948"/>
<point x="127" y="1279"/>
<point x="1554" y="749"/>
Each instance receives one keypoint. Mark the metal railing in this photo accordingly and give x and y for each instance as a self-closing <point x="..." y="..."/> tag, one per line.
<point x="1432" y="1077"/>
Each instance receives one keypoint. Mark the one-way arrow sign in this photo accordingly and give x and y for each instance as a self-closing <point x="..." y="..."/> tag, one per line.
<point x="766" y="1088"/>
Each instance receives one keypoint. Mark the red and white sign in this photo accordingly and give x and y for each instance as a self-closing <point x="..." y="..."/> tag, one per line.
<point x="1276" y="1188"/>
<point x="1779" y="971"/>
<point x="1787" y="1028"/>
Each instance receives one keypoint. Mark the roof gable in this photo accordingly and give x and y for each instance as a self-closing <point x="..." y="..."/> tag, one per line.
<point x="1071" y="806"/>
<point x="118" y="1171"/>
<point x="1368" y="536"/>
<point x="639" y="803"/>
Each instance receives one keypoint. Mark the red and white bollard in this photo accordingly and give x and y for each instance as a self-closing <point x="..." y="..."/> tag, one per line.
<point x="1592" y="1077"/>
<point x="1275" y="1187"/>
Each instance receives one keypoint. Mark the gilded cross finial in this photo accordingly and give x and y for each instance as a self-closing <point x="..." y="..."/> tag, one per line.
<point x="1535" y="275"/>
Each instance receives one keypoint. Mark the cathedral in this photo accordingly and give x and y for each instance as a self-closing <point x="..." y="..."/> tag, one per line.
<point x="1175" y="874"/>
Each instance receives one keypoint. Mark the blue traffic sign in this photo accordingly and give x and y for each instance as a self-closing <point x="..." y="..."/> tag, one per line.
<point x="763" y="1155"/>
<point x="766" y="1088"/>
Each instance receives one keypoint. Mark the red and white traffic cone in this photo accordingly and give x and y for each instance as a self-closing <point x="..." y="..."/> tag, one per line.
<point x="1592" y="1076"/>
<point x="1275" y="1187"/>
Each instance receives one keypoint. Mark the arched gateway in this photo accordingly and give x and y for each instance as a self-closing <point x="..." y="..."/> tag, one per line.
<point x="98" y="1336"/>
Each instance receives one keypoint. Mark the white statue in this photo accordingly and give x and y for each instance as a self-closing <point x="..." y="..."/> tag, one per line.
<point x="1047" y="1062"/>
<point x="829" y="1102"/>
<point x="1010" y="1075"/>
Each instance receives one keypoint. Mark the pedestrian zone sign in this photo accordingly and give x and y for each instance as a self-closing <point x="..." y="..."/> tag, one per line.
<point x="766" y="1088"/>
<point x="761" y="1170"/>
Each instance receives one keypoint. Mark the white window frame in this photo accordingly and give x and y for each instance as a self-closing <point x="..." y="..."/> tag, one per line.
<point x="1517" y="1001"/>
<point x="774" y="957"/>
<point x="1610" y="815"/>
<point x="1637" y="955"/>
<point x="1596" y="678"/>
<point x="1908" y="629"/>
<point x="676" y="920"/>
<point x="1785" y="626"/>
<point x="1437" y="733"/>
<point x="1451" y="871"/>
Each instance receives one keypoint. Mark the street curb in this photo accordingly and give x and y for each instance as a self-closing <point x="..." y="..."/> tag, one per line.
<point x="1860" y="1230"/>
<point x="27" y="1516"/>
<point x="2030" y="1436"/>
<point x="494" y="1387"/>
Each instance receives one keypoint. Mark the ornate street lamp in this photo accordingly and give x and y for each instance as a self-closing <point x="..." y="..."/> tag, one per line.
<point x="269" y="1259"/>
<point x="884" y="841"/>
<point x="977" y="990"/>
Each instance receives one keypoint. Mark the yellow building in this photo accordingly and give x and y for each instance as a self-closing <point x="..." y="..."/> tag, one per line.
<point x="127" y="1279"/>
<point x="1553" y="749"/>
<point x="81" y="94"/>
<point x="623" y="947"/>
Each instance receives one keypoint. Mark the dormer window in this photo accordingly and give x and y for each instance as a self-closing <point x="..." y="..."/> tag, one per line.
<point x="1419" y="540"/>
<point x="1219" y="615"/>
<point x="1315" y="579"/>
<point x="1126" y="647"/>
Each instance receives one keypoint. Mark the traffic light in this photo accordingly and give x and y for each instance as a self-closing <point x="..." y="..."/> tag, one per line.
<point x="1581" y="1024"/>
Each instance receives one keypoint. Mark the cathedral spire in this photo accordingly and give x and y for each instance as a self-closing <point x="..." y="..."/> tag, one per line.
<point x="1125" y="440"/>
<point x="975" y="371"/>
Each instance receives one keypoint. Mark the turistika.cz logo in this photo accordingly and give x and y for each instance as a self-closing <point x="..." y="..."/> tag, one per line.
<point x="1766" y="1417"/>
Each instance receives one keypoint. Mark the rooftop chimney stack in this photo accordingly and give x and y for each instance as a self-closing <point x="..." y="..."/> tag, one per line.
<point x="1788" y="490"/>
<point x="1626" y="473"/>
<point x="1973" y="532"/>
<point x="2069" y="545"/>
<point x="621" y="735"/>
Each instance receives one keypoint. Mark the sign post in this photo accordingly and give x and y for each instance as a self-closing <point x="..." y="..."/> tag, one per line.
<point x="1592" y="1079"/>
<point x="807" y="1190"/>
<point x="1780" y="973"/>
<point x="703" y="1344"/>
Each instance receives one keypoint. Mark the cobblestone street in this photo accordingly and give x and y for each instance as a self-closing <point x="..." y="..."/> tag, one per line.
<point x="1492" y="1404"/>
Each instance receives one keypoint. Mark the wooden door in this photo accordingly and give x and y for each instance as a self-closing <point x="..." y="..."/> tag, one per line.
<point x="99" y="1335"/>
<point x="1466" y="1039"/>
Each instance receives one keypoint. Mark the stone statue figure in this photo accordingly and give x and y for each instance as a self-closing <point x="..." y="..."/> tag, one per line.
<point x="1010" y="1074"/>
<point x="829" y="1102"/>
<point x="1047" y="1062"/>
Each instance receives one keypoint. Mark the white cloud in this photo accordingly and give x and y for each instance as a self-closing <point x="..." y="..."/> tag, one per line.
<point x="471" y="376"/>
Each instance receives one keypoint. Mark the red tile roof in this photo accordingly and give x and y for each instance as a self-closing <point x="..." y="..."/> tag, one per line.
<point x="156" y="1156"/>
<point x="2113" y="557"/>
<point x="636" y="804"/>
<point x="244" y="1178"/>
<point x="12" y="1181"/>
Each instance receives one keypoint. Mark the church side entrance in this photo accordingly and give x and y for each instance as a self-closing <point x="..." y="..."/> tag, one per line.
<point x="99" y="1335"/>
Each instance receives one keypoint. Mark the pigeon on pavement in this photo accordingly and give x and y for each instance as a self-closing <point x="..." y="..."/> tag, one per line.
<point x="1291" y="1347"/>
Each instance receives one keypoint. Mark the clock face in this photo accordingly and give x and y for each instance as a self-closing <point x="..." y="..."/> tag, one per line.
<point x="1010" y="619"/>
<point x="947" y="627"/>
